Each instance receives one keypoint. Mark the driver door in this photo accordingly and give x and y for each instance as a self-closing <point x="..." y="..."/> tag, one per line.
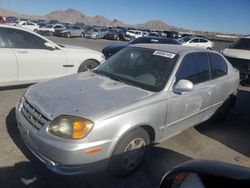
<point x="187" y="109"/>
<point x="35" y="60"/>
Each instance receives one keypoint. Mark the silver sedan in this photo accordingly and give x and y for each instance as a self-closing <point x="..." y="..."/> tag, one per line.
<point x="109" y="117"/>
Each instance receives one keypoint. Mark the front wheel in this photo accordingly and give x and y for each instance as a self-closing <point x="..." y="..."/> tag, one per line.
<point x="88" y="65"/>
<point x="129" y="153"/>
<point x="82" y="35"/>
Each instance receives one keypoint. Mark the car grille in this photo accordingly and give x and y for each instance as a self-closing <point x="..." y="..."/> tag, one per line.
<point x="35" y="118"/>
<point x="243" y="65"/>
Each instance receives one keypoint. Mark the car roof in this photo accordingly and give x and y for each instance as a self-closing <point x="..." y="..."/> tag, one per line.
<point x="172" y="48"/>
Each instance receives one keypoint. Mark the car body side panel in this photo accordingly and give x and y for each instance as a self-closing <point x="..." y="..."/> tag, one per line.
<point x="38" y="64"/>
<point x="8" y="66"/>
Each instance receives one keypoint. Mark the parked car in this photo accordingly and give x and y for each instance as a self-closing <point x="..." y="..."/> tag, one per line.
<point x="112" y="35"/>
<point x="3" y="20"/>
<point x="27" y="57"/>
<point x="28" y="25"/>
<point x="110" y="50"/>
<point x="238" y="54"/>
<point x="197" y="42"/>
<point x="133" y="34"/>
<point x="49" y="29"/>
<point x="70" y="31"/>
<point x="96" y="33"/>
<point x="12" y="19"/>
<point x="108" y="117"/>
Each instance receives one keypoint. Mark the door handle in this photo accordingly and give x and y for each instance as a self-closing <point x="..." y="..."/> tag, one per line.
<point x="22" y="52"/>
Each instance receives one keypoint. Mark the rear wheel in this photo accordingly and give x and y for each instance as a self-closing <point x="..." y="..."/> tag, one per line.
<point x="88" y="65"/>
<point x="222" y="112"/>
<point x="129" y="152"/>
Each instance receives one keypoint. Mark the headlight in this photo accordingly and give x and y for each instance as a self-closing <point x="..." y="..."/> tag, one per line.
<point x="70" y="127"/>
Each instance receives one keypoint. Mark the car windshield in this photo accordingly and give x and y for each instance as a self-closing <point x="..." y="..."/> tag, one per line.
<point x="145" y="68"/>
<point x="243" y="44"/>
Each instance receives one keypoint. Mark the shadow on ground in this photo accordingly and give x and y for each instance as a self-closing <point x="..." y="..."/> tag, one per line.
<point x="234" y="132"/>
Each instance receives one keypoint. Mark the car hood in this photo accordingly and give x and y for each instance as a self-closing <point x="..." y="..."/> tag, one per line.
<point x="87" y="95"/>
<point x="237" y="53"/>
<point x="79" y="48"/>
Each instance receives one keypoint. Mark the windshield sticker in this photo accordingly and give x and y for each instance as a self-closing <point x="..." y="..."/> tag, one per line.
<point x="164" y="54"/>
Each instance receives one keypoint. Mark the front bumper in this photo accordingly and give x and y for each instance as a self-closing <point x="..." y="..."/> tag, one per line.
<point x="58" y="154"/>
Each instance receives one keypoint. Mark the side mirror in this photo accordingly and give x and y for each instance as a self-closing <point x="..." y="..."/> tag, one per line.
<point x="50" y="45"/>
<point x="183" y="86"/>
<point x="206" y="174"/>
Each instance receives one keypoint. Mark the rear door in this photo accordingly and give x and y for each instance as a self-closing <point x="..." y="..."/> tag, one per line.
<point x="76" y="31"/>
<point x="190" y="108"/>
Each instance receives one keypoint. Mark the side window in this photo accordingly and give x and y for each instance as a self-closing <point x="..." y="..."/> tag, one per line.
<point x="218" y="64"/>
<point x="76" y="27"/>
<point x="23" y="39"/>
<point x="58" y="26"/>
<point x="194" y="67"/>
<point x="29" y="23"/>
<point x="203" y="41"/>
<point x="194" y="41"/>
<point x="4" y="42"/>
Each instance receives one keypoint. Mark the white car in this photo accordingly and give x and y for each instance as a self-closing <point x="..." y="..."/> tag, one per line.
<point x="27" y="57"/>
<point x="49" y="29"/>
<point x="133" y="34"/>
<point x="28" y="25"/>
<point x="197" y="42"/>
<point x="238" y="54"/>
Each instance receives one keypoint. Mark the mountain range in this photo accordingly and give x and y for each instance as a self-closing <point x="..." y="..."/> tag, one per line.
<point x="75" y="16"/>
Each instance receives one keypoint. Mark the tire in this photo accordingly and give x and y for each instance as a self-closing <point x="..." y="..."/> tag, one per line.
<point x="35" y="30"/>
<point x="97" y="37"/>
<point x="88" y="65"/>
<point x="50" y="33"/>
<point x="129" y="153"/>
<point x="68" y="35"/>
<point x="82" y="35"/>
<point x="222" y="112"/>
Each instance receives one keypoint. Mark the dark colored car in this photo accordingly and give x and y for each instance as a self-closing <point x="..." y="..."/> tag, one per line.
<point x="110" y="50"/>
<point x="112" y="35"/>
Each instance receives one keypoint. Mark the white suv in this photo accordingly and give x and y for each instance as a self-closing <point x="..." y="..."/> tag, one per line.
<point x="238" y="54"/>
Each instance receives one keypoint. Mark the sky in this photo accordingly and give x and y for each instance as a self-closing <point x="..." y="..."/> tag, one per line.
<point x="228" y="16"/>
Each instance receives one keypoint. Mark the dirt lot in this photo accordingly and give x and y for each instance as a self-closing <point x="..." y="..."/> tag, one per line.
<point x="228" y="141"/>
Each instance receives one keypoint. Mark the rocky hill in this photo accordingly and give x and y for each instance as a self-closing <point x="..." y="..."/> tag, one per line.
<point x="73" y="16"/>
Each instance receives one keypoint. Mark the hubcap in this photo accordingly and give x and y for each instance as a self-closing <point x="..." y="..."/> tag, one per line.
<point x="133" y="154"/>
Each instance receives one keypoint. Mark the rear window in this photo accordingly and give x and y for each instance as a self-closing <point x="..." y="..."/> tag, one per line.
<point x="243" y="44"/>
<point x="219" y="67"/>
